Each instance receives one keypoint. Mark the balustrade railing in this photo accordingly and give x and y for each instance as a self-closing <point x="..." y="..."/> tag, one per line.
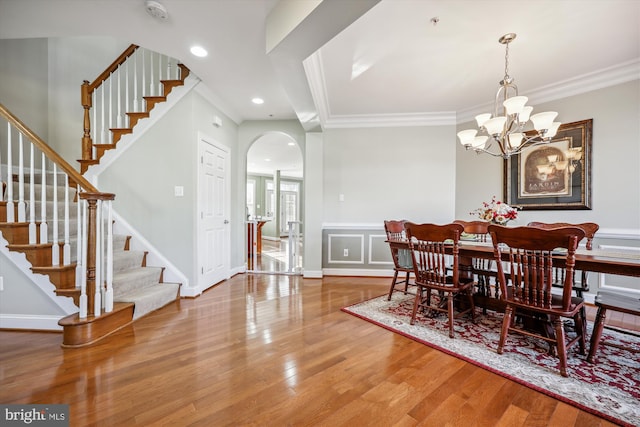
<point x="119" y="91"/>
<point x="37" y="180"/>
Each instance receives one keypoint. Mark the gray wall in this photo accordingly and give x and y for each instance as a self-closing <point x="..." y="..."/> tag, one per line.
<point x="389" y="173"/>
<point x="616" y="162"/>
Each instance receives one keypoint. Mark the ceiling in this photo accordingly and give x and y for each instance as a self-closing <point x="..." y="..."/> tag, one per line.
<point x="364" y="62"/>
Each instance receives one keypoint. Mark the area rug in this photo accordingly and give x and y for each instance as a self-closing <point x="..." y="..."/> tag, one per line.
<point x="609" y="389"/>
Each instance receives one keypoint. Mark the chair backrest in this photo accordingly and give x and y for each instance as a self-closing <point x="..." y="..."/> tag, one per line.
<point x="479" y="228"/>
<point x="532" y="252"/>
<point x="395" y="229"/>
<point x="431" y="245"/>
<point x="401" y="257"/>
<point x="589" y="228"/>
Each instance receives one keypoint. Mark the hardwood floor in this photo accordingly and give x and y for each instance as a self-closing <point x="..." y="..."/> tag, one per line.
<point x="268" y="350"/>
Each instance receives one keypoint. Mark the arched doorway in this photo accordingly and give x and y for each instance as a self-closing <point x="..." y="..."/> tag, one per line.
<point x="274" y="208"/>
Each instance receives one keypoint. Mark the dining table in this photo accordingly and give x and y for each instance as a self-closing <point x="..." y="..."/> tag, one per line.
<point x="594" y="260"/>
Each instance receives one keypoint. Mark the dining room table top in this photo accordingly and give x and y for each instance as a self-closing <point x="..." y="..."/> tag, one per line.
<point x="596" y="260"/>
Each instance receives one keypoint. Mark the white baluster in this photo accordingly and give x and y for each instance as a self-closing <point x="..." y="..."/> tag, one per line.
<point x="55" y="248"/>
<point x="103" y="131"/>
<point x="10" y="205"/>
<point x="79" y="242"/>
<point x="152" y="83"/>
<point x="82" y="219"/>
<point x="22" y="216"/>
<point x="144" y="73"/>
<point x="160" y="88"/>
<point x="126" y="89"/>
<point x="135" y="82"/>
<point x="110" y="102"/>
<point x="33" y="238"/>
<point x="44" y="230"/>
<point x="108" y="298"/>
<point x="119" y="78"/>
<point x="94" y="123"/>
<point x="66" y="249"/>
<point x="98" y="283"/>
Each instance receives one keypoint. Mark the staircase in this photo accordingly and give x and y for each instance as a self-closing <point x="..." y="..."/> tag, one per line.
<point x="93" y="101"/>
<point x="113" y="285"/>
<point x="138" y="289"/>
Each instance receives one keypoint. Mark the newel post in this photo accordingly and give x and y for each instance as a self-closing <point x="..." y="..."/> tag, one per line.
<point x="92" y="240"/>
<point x="85" y="99"/>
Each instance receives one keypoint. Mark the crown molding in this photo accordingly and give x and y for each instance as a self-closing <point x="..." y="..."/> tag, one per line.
<point x="606" y="77"/>
<point x="443" y="118"/>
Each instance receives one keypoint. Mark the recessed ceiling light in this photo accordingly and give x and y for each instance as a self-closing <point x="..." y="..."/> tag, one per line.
<point x="199" y="51"/>
<point x="291" y="143"/>
<point x="267" y="160"/>
<point x="257" y="101"/>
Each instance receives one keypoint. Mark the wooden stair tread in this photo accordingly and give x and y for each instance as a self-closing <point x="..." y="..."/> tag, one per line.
<point x="51" y="268"/>
<point x="79" y="332"/>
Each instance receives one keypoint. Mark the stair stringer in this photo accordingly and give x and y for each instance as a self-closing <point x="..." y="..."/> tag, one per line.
<point x="143" y="125"/>
<point x="154" y="256"/>
<point x="41" y="282"/>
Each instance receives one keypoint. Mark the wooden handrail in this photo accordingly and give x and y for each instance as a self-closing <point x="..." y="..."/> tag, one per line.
<point x="73" y="174"/>
<point x="86" y="90"/>
<point x="88" y="193"/>
<point x="113" y="67"/>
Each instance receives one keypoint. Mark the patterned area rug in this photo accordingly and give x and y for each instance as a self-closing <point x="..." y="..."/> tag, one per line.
<point x="610" y="388"/>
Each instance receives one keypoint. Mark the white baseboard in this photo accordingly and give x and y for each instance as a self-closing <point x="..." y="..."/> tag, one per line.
<point x="307" y="274"/>
<point x="32" y="322"/>
<point x="364" y="272"/>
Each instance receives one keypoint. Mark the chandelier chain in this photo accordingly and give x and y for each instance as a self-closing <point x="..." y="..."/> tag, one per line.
<point x="506" y="62"/>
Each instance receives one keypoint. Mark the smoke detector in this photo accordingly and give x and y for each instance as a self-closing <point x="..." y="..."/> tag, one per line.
<point x="156" y="9"/>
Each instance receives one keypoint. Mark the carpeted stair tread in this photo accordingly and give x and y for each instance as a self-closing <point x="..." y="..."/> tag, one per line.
<point x="119" y="240"/>
<point x="124" y="260"/>
<point x="150" y="298"/>
<point x="127" y="281"/>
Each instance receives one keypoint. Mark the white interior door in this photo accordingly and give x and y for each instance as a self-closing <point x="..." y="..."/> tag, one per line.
<point x="213" y="207"/>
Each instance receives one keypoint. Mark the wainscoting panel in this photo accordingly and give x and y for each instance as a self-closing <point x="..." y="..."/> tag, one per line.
<point x="626" y="284"/>
<point x="379" y="253"/>
<point x="367" y="252"/>
<point x="345" y="249"/>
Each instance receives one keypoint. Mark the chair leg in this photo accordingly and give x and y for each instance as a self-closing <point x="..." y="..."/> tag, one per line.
<point x="506" y="324"/>
<point x="450" y="313"/>
<point x="579" y="321"/>
<point x="416" y="302"/>
<point x="597" y="333"/>
<point x="406" y="283"/>
<point x="472" y="304"/>
<point x="393" y="284"/>
<point x="561" y="345"/>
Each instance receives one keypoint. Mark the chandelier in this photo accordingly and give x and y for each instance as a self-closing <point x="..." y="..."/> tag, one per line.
<point x="511" y="117"/>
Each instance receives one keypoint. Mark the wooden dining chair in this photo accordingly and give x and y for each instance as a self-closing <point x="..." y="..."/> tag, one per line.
<point x="483" y="269"/>
<point x="401" y="257"/>
<point x="431" y="245"/>
<point x="530" y="254"/>
<point x="559" y="273"/>
<point x="590" y="229"/>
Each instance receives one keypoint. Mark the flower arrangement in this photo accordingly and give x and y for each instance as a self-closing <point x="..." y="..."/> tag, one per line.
<point x="496" y="212"/>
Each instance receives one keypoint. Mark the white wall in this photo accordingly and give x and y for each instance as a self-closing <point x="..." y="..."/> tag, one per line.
<point x="24" y="82"/>
<point x="71" y="61"/>
<point x="389" y="173"/>
<point x="144" y="176"/>
<point x="615" y="162"/>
